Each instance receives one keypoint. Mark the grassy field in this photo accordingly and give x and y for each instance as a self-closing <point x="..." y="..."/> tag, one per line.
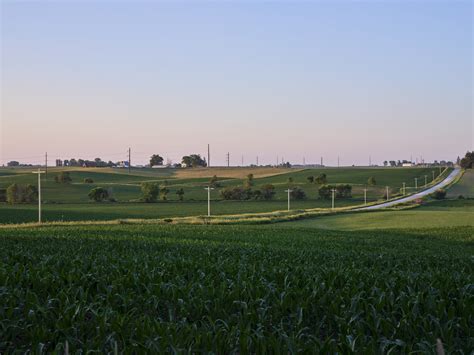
<point x="235" y="289"/>
<point x="433" y="215"/>
<point x="465" y="187"/>
<point x="69" y="202"/>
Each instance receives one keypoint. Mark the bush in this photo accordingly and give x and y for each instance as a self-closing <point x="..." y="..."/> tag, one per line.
<point x="321" y="179"/>
<point x="164" y="193"/>
<point x="297" y="193"/>
<point x="150" y="191"/>
<point x="63" y="178"/>
<point x="98" y="194"/>
<point x="371" y="181"/>
<point x="439" y="194"/>
<point x="88" y="181"/>
<point x="17" y="193"/>
<point x="236" y="193"/>
<point x="310" y="179"/>
<point x="268" y="191"/>
<point x="180" y="193"/>
<point x="213" y="182"/>
<point x="342" y="191"/>
<point x="3" y="195"/>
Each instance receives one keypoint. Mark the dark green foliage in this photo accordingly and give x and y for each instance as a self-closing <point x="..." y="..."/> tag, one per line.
<point x="98" y="194"/>
<point x="371" y="181"/>
<point x="180" y="193"/>
<point x="193" y="161"/>
<point x="267" y="191"/>
<point x="310" y="179"/>
<point x="236" y="193"/>
<point x="248" y="182"/>
<point x="297" y="193"/>
<point x="150" y="191"/>
<point x="63" y="178"/>
<point x="342" y="191"/>
<point x="321" y="179"/>
<point x="468" y="161"/>
<point x="439" y="194"/>
<point x="3" y="195"/>
<point x="230" y="289"/>
<point x="289" y="181"/>
<point x="155" y="160"/>
<point x="213" y="182"/>
<point x="164" y="193"/>
<point x="88" y="181"/>
<point x="18" y="193"/>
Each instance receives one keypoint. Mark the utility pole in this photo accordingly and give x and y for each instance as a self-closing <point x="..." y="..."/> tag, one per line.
<point x="257" y="160"/>
<point x="277" y="161"/>
<point x="289" y="192"/>
<point x="39" y="172"/>
<point x="333" y="193"/>
<point x="46" y="163"/>
<point x="365" y="196"/>
<point x="370" y="161"/>
<point x="209" y="200"/>
<point x="321" y="161"/>
<point x="404" y="189"/>
<point x="304" y="162"/>
<point x="129" y="160"/>
<point x="228" y="159"/>
<point x="242" y="160"/>
<point x="386" y="188"/>
<point x="416" y="183"/>
<point x="338" y="161"/>
<point x="208" y="156"/>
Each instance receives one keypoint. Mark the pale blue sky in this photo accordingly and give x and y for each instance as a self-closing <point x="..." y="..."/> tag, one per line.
<point x="293" y="79"/>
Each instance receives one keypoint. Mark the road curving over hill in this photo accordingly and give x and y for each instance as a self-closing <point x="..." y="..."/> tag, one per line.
<point x="448" y="180"/>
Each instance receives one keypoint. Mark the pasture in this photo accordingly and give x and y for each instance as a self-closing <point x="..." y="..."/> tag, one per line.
<point x="69" y="202"/>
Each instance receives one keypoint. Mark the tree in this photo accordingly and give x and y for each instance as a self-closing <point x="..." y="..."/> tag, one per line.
<point x="150" y="191"/>
<point x="88" y="181"/>
<point x="193" y="160"/>
<point x="164" y="193"/>
<point x="393" y="163"/>
<point x="290" y="181"/>
<point x="343" y="191"/>
<point x="310" y="179"/>
<point x="30" y="193"/>
<point x="248" y="182"/>
<point x="156" y="159"/>
<point x="236" y="193"/>
<point x="371" y="181"/>
<point x="180" y="193"/>
<point x="213" y="182"/>
<point x="17" y="193"/>
<point x="468" y="161"/>
<point x="297" y="193"/>
<point x="63" y="178"/>
<point x="385" y="163"/>
<point x="13" y="163"/>
<point x="439" y="194"/>
<point x="98" y="194"/>
<point x="321" y="179"/>
<point x="267" y="191"/>
<point x="324" y="191"/>
<point x="13" y="194"/>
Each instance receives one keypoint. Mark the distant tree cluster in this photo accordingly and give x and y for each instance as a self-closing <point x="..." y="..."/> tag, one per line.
<point x="152" y="190"/>
<point x="468" y="161"/>
<point x="247" y="191"/>
<point x="156" y="160"/>
<point x="18" y="193"/>
<point x="15" y="163"/>
<point x="193" y="161"/>
<point x="99" y="194"/>
<point x="96" y="163"/>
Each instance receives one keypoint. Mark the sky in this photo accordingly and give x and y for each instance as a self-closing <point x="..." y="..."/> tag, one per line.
<point x="294" y="80"/>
